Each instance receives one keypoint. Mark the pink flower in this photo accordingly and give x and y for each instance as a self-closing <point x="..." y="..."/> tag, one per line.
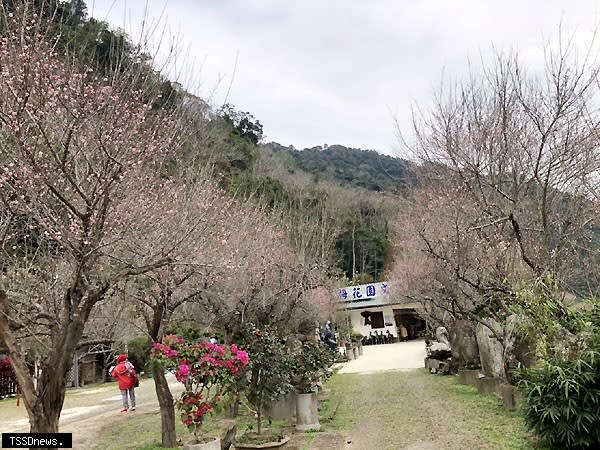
<point x="183" y="372"/>
<point x="242" y="357"/>
<point x="170" y="353"/>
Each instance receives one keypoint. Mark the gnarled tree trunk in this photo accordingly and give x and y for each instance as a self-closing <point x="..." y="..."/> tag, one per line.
<point x="44" y="401"/>
<point x="167" y="410"/>
<point x="156" y="323"/>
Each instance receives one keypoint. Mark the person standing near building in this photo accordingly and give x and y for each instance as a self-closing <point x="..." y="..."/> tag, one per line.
<point x="403" y="333"/>
<point x="124" y="372"/>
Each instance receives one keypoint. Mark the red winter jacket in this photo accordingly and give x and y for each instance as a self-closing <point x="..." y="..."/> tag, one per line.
<point x="125" y="373"/>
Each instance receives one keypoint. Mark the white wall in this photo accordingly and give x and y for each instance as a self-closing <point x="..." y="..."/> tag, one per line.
<point x="357" y="320"/>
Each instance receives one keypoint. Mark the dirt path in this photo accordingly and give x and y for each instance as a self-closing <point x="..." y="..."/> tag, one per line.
<point x="414" y="410"/>
<point x="87" y="411"/>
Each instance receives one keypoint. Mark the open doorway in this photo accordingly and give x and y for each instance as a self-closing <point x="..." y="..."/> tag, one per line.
<point x="414" y="325"/>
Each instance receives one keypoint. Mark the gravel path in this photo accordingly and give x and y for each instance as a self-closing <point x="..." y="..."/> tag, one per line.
<point x="386" y="403"/>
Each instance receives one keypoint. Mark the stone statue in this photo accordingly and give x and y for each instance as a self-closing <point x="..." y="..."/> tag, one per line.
<point x="440" y="349"/>
<point x="439" y="353"/>
<point x="441" y="335"/>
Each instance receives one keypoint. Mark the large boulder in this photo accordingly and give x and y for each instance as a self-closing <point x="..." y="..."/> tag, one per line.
<point x="491" y="351"/>
<point x="463" y="341"/>
<point x="518" y="349"/>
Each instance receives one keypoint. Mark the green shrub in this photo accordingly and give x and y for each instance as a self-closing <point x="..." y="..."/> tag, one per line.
<point x="309" y="366"/>
<point x="138" y="350"/>
<point x="562" y="398"/>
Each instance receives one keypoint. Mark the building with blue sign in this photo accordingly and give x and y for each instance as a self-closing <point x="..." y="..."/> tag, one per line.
<point x="373" y="309"/>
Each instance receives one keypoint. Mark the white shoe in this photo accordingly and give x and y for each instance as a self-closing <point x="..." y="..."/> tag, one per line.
<point x="133" y="408"/>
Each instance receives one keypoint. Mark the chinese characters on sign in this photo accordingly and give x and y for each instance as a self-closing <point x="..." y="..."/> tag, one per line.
<point x="364" y="291"/>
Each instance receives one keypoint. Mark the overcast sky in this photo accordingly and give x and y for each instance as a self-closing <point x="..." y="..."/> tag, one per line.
<point x="320" y="72"/>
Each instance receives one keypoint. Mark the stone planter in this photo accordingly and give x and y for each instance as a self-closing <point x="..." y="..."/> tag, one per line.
<point x="307" y="415"/>
<point x="284" y="408"/>
<point x="437" y="366"/>
<point x="511" y="397"/>
<point x="322" y="396"/>
<point x="468" y="376"/>
<point x="211" y="445"/>
<point x="278" y="444"/>
<point x="489" y="385"/>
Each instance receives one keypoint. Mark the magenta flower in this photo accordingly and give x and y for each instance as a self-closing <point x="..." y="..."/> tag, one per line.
<point x="243" y="357"/>
<point x="183" y="372"/>
<point x="170" y="353"/>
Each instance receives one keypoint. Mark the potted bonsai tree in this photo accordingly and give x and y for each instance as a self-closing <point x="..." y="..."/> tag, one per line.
<point x="268" y="378"/>
<point x="310" y="366"/>
<point x="205" y="369"/>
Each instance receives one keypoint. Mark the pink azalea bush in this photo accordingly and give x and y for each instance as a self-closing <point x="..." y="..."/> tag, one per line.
<point x="205" y="369"/>
<point x="6" y="369"/>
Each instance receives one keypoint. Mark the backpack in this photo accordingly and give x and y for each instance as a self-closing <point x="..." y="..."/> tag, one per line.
<point x="132" y="374"/>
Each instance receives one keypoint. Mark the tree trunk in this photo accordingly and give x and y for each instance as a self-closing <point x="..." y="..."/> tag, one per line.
<point x="39" y="422"/>
<point x="44" y="401"/>
<point x="259" y="414"/>
<point x="156" y="324"/>
<point x="44" y="411"/>
<point x="167" y="408"/>
<point x="234" y="409"/>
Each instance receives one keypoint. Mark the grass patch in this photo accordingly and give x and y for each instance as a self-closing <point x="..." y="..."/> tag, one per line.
<point x="336" y="413"/>
<point x="136" y="432"/>
<point x="143" y="432"/>
<point x="485" y="414"/>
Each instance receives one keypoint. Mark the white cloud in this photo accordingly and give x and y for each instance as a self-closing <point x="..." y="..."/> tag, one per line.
<point x="317" y="72"/>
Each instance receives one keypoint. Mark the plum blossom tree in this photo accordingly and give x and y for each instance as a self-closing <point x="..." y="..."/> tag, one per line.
<point x="509" y="165"/>
<point x="79" y="190"/>
<point x="204" y="218"/>
<point x="263" y="280"/>
<point x="523" y="148"/>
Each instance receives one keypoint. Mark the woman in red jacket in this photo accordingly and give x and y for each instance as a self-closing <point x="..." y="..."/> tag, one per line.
<point x="125" y="373"/>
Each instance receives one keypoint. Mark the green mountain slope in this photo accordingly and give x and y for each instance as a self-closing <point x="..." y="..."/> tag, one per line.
<point x="362" y="168"/>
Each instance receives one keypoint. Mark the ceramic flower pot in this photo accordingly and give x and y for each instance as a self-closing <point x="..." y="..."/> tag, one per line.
<point x="210" y="445"/>
<point x="349" y="352"/>
<point x="247" y="446"/>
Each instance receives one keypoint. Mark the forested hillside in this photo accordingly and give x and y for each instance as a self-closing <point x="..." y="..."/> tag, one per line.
<point x="338" y="201"/>
<point x="361" y="168"/>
